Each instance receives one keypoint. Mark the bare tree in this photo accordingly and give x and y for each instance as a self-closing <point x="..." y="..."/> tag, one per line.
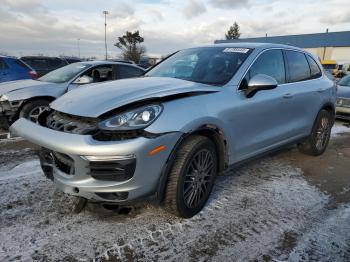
<point x="131" y="47"/>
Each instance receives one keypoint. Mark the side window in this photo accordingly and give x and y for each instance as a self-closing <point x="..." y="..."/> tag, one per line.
<point x="125" y="71"/>
<point x="3" y="64"/>
<point x="269" y="63"/>
<point x="298" y="66"/>
<point x="314" y="68"/>
<point x="100" y="73"/>
<point x="56" y="63"/>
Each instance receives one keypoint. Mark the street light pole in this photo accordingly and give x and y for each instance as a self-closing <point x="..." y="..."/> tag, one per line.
<point x="106" y="13"/>
<point x="79" y="47"/>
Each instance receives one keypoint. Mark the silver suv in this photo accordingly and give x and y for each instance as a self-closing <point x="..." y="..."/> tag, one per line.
<point x="168" y="134"/>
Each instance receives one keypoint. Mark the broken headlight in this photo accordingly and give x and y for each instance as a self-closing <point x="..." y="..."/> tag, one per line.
<point x="3" y="98"/>
<point x="138" y="118"/>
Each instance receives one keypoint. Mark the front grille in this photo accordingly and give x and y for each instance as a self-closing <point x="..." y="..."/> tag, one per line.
<point x="119" y="170"/>
<point x="64" y="163"/>
<point x="71" y="124"/>
<point x="345" y="102"/>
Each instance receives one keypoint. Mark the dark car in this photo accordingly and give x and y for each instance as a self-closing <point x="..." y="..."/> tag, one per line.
<point x="12" y="68"/>
<point x="71" y="60"/>
<point x="44" y="64"/>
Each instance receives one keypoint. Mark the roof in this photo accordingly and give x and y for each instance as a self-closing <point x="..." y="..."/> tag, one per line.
<point x="247" y="44"/>
<point x="104" y="62"/>
<point x="330" y="39"/>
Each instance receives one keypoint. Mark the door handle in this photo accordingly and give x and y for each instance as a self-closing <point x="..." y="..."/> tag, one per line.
<point x="321" y="90"/>
<point x="288" y="95"/>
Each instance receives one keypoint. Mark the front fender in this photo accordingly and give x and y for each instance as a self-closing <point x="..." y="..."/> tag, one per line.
<point x="29" y="93"/>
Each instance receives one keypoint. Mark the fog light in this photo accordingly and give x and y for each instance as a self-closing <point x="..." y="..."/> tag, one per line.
<point x="107" y="158"/>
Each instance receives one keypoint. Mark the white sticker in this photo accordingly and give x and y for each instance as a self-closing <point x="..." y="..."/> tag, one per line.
<point x="235" y="50"/>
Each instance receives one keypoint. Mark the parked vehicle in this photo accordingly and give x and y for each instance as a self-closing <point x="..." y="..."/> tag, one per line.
<point x="44" y="64"/>
<point x="12" y="69"/>
<point x="330" y="65"/>
<point x="28" y="98"/>
<point x="71" y="60"/>
<point x="343" y="101"/>
<point x="169" y="134"/>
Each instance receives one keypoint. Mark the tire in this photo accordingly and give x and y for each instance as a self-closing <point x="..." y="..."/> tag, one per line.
<point x="318" y="141"/>
<point x="188" y="189"/>
<point x="33" y="109"/>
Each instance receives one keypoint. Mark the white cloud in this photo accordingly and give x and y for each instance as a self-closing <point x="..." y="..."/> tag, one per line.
<point x="53" y="27"/>
<point x="194" y="8"/>
<point x="230" y="4"/>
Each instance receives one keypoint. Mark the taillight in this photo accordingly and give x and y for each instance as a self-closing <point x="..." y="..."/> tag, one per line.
<point x="33" y="74"/>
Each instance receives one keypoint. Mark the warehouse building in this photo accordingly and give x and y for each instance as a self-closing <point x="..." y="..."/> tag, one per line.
<point x="327" y="46"/>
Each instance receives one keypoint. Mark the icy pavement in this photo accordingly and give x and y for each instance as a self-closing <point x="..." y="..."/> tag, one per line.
<point x="264" y="211"/>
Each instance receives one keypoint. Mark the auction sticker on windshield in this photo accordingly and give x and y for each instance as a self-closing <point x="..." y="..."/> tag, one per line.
<point x="235" y="50"/>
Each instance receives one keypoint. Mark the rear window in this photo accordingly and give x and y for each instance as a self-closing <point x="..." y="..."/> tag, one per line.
<point x="314" y="69"/>
<point x="21" y="64"/>
<point x="298" y="66"/>
<point x="128" y="71"/>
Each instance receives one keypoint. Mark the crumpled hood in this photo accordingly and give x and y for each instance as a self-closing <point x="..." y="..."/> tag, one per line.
<point x="95" y="100"/>
<point x="16" y="90"/>
<point x="344" y="91"/>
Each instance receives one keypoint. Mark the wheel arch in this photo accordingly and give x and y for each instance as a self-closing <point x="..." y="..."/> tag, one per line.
<point x="29" y="100"/>
<point x="330" y="108"/>
<point x="212" y="132"/>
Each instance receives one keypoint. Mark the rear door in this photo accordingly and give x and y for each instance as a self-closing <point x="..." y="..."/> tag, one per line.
<point x="126" y="71"/>
<point x="4" y="71"/>
<point x="302" y="90"/>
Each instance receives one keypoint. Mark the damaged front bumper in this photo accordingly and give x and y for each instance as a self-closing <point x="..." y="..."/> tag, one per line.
<point x="117" y="171"/>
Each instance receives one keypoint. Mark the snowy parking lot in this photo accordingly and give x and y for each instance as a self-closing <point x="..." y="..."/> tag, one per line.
<point x="285" y="206"/>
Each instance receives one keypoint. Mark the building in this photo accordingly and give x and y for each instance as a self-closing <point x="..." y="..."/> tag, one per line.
<point x="327" y="46"/>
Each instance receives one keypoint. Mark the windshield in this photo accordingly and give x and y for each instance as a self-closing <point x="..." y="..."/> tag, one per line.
<point x="209" y="65"/>
<point x="345" y="81"/>
<point x="64" y="74"/>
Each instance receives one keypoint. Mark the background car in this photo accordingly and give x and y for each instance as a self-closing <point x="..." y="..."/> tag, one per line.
<point x="12" y="69"/>
<point x="44" y="64"/>
<point x="343" y="101"/>
<point x="28" y="98"/>
<point x="71" y="60"/>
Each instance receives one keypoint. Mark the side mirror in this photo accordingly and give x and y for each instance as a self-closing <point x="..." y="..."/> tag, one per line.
<point x="260" y="82"/>
<point x="83" y="80"/>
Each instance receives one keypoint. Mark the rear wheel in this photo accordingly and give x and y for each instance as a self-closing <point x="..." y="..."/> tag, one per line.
<point x="317" y="143"/>
<point x="33" y="109"/>
<point x="192" y="177"/>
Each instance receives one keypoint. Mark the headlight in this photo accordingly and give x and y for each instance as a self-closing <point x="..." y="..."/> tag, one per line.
<point x="135" y="119"/>
<point x="3" y="98"/>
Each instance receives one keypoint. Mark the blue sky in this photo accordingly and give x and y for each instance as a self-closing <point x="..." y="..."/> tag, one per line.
<point x="53" y="27"/>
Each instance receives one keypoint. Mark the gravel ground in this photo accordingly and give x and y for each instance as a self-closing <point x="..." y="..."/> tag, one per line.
<point x="286" y="206"/>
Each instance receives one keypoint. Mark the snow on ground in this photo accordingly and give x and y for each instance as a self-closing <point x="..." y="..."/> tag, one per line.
<point x="340" y="128"/>
<point x="263" y="211"/>
<point x="249" y="212"/>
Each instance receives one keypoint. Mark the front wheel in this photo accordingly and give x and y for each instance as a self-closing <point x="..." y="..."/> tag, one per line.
<point x="318" y="141"/>
<point x="33" y="109"/>
<point x="192" y="176"/>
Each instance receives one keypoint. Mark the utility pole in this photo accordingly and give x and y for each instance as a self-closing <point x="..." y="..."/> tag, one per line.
<point x="78" y="47"/>
<point x="105" y="13"/>
<point x="324" y="48"/>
